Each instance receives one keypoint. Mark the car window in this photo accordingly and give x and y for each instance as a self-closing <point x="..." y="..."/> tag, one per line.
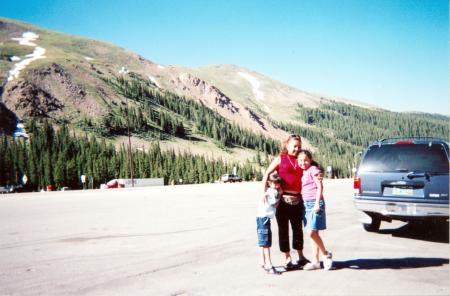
<point x="405" y="158"/>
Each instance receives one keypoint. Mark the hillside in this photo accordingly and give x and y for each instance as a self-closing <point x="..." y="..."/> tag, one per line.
<point x="222" y="112"/>
<point x="266" y="96"/>
<point x="68" y="82"/>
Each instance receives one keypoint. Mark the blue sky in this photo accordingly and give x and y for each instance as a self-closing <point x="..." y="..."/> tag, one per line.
<point x="389" y="53"/>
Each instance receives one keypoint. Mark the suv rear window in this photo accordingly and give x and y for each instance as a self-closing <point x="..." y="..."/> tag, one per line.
<point x="406" y="158"/>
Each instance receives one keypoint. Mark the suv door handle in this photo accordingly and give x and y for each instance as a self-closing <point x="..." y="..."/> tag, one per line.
<point x="413" y="175"/>
<point x="413" y="184"/>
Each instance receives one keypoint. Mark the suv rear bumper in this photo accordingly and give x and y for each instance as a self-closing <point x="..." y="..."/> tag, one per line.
<point x="403" y="209"/>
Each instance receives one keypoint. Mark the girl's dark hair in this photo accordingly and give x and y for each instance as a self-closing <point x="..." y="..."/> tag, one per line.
<point x="275" y="178"/>
<point x="309" y="155"/>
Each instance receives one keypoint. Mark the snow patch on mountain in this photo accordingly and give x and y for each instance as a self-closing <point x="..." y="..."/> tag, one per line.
<point x="27" y="39"/>
<point x="38" y="53"/>
<point x="152" y="79"/>
<point x="124" y="70"/>
<point x="259" y="95"/>
<point x="20" y="130"/>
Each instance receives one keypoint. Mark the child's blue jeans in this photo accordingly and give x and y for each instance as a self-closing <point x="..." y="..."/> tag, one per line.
<point x="264" y="232"/>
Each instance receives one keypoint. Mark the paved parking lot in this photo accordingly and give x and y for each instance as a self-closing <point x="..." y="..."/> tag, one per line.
<point x="200" y="240"/>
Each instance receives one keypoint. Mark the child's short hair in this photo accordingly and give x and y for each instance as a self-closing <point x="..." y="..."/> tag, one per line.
<point x="275" y="178"/>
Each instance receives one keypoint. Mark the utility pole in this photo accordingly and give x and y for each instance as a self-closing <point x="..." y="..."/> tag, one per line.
<point x="130" y="155"/>
<point x="125" y="71"/>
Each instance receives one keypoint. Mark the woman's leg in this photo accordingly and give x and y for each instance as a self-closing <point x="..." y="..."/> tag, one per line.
<point x="296" y="219"/>
<point x="283" y="230"/>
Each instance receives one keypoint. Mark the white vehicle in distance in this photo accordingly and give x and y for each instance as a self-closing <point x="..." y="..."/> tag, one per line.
<point x="230" y="178"/>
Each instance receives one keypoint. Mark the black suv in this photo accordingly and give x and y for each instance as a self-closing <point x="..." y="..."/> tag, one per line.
<point x="403" y="179"/>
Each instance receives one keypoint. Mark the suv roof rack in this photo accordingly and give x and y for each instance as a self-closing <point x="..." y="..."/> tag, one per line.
<point x="418" y="138"/>
<point x="408" y="138"/>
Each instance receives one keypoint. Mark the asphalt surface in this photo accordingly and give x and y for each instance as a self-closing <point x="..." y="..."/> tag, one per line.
<point x="201" y="240"/>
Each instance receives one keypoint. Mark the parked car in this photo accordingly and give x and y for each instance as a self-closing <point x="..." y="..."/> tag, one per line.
<point x="403" y="179"/>
<point x="137" y="182"/>
<point x="10" y="189"/>
<point x="230" y="178"/>
<point x="114" y="183"/>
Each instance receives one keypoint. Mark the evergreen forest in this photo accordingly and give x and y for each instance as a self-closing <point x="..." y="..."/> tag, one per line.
<point x="60" y="158"/>
<point x="341" y="132"/>
<point x="157" y="114"/>
<point x="55" y="155"/>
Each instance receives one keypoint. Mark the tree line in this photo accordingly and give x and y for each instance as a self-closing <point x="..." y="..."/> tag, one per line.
<point x="361" y="126"/>
<point x="59" y="158"/>
<point x="156" y="108"/>
<point x="339" y="131"/>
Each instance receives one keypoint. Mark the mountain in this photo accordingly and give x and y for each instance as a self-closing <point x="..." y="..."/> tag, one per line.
<point x="267" y="96"/>
<point x="67" y="81"/>
<point x="220" y="111"/>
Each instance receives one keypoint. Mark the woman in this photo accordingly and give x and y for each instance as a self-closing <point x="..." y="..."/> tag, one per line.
<point x="290" y="208"/>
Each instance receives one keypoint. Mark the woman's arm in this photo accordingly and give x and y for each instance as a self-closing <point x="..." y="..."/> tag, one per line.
<point x="272" y="167"/>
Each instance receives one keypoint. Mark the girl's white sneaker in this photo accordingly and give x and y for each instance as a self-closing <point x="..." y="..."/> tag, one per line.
<point x="328" y="261"/>
<point x="311" y="266"/>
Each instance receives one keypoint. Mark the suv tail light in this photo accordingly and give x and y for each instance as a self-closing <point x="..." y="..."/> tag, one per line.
<point x="357" y="185"/>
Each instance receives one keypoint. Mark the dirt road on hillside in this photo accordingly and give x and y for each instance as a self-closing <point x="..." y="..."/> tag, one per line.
<point x="200" y="240"/>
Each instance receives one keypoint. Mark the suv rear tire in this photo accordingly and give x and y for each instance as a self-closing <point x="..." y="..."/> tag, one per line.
<point x="374" y="225"/>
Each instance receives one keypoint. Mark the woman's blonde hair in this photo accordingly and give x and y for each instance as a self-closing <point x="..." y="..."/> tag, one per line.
<point x="286" y="142"/>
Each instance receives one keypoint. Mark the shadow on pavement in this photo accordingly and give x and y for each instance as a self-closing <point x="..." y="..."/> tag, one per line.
<point x="432" y="232"/>
<point x="391" y="263"/>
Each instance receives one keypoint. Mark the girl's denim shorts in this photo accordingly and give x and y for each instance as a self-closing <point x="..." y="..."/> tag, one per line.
<point x="313" y="220"/>
<point x="264" y="232"/>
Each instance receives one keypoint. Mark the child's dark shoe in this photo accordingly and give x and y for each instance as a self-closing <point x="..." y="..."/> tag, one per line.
<point x="289" y="266"/>
<point x="272" y="270"/>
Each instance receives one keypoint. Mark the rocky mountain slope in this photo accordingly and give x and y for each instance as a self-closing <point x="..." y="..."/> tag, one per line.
<point x="74" y="80"/>
<point x="54" y="75"/>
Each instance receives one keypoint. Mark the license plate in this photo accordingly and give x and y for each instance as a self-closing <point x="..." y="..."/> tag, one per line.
<point x="402" y="191"/>
<point x="409" y="209"/>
